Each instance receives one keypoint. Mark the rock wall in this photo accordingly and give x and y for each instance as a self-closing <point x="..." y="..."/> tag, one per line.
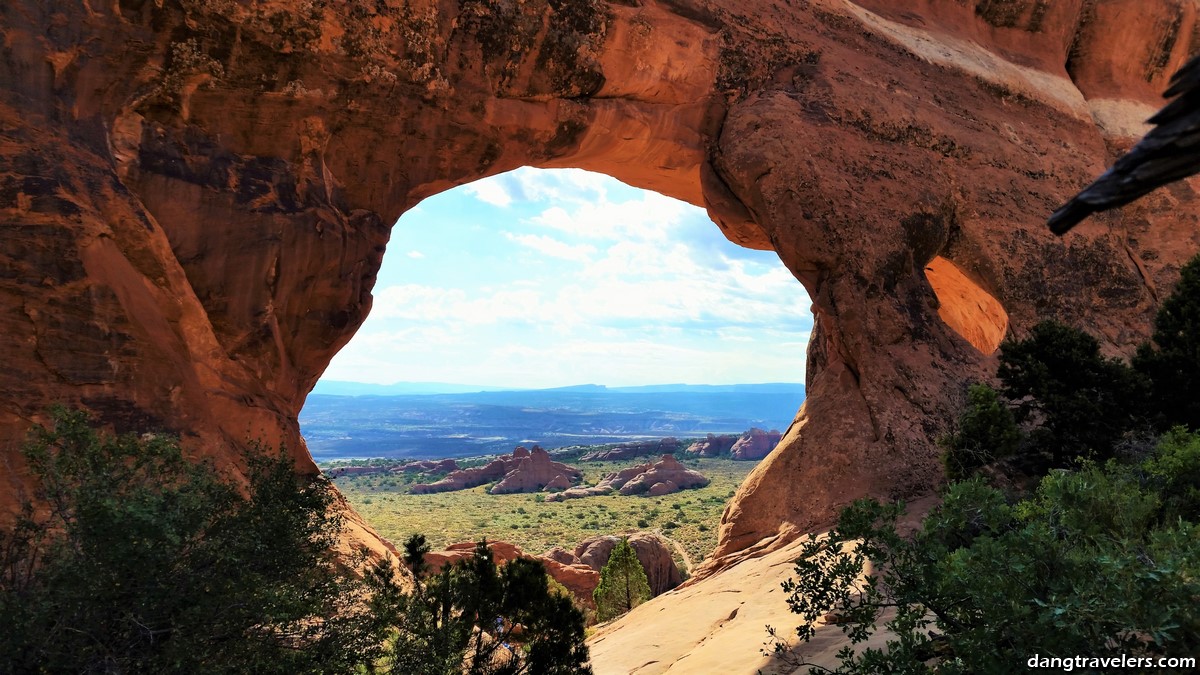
<point x="195" y="195"/>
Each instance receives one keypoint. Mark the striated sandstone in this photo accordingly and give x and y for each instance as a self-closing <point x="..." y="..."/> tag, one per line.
<point x="195" y="197"/>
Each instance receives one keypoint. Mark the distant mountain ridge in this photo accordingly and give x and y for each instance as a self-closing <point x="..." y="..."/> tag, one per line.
<point x="344" y="388"/>
<point x="432" y="426"/>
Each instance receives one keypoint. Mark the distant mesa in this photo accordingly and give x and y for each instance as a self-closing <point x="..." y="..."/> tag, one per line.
<point x="426" y="466"/>
<point x="633" y="449"/>
<point x="523" y="471"/>
<point x="663" y="477"/>
<point x="751" y="445"/>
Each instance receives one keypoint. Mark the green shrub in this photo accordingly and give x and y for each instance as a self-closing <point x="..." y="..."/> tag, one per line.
<point x="1096" y="562"/>
<point x="1172" y="362"/>
<point x="986" y="432"/>
<point x="144" y="562"/>
<point x="474" y="617"/>
<point x="1077" y="402"/>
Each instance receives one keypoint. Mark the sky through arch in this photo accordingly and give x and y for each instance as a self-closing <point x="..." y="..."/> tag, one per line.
<point x="546" y="278"/>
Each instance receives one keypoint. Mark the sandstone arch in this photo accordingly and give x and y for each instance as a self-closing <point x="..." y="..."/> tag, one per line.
<point x="195" y="193"/>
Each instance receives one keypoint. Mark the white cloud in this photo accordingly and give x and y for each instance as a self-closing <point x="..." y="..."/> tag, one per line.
<point x="491" y="191"/>
<point x="650" y="218"/>
<point x="416" y="255"/>
<point x="648" y="292"/>
<point x="569" y="186"/>
<point x="553" y="247"/>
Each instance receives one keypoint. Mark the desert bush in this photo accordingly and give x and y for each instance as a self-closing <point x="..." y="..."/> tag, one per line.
<point x="1074" y="401"/>
<point x="986" y="432"/>
<point x="476" y="618"/>
<point x="138" y="560"/>
<point x="1172" y="361"/>
<point x="1095" y="562"/>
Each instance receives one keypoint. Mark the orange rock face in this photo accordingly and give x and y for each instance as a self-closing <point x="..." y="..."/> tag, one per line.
<point x="195" y="196"/>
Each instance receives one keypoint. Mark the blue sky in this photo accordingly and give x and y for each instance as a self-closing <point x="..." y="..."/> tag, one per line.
<point x="546" y="278"/>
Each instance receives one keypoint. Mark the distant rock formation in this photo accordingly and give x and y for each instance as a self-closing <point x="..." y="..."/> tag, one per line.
<point x="653" y="551"/>
<point x="666" y="470"/>
<point x="633" y="449"/>
<point x="424" y="466"/>
<point x="428" y="466"/>
<point x="665" y="476"/>
<point x="755" y="444"/>
<point x="561" y="555"/>
<point x="522" y="471"/>
<point x="713" y="446"/>
<point x="537" y="472"/>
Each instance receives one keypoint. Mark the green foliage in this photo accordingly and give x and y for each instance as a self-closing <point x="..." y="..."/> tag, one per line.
<point x="142" y="561"/>
<point x="1096" y="562"/>
<point x="1172" y="363"/>
<point x="476" y="618"/>
<point x="415" y="548"/>
<point x="1174" y="471"/>
<point x="623" y="583"/>
<point x="986" y="432"/>
<point x="1078" y="402"/>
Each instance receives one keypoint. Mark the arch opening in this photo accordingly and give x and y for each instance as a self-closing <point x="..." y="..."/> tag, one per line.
<point x="966" y="307"/>
<point x="563" y="308"/>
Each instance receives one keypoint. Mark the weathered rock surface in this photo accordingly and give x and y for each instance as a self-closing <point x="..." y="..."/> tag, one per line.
<point x="716" y="624"/>
<point x="713" y="446"/>
<point x="524" y="470"/>
<point x="562" y="555"/>
<point x="755" y="444"/>
<point x="581" y="492"/>
<point x="653" y="552"/>
<point x="633" y="449"/>
<point x="195" y="196"/>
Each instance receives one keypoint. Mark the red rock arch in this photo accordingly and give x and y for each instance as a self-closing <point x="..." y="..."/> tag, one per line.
<point x="196" y="193"/>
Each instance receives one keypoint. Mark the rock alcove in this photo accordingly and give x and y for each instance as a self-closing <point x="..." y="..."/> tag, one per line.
<point x="195" y="193"/>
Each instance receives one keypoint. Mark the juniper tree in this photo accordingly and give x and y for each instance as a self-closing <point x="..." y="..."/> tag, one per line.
<point x="623" y="583"/>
